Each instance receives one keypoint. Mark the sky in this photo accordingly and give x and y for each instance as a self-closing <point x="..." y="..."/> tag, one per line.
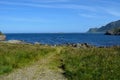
<point x="54" y="16"/>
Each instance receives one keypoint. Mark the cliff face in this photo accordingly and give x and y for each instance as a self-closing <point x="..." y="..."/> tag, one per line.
<point x="113" y="32"/>
<point x="109" y="27"/>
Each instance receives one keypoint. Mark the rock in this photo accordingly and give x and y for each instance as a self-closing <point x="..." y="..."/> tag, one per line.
<point x="16" y="41"/>
<point x="84" y="45"/>
<point x="37" y="43"/>
<point x="113" y="32"/>
<point x="74" y="45"/>
<point x="2" y="37"/>
<point x="79" y="45"/>
<point x="109" y="33"/>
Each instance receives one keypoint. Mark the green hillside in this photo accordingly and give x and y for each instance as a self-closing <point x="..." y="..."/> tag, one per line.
<point x="109" y="27"/>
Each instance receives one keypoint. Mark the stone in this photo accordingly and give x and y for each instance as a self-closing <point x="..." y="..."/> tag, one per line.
<point x="37" y="43"/>
<point x="2" y="37"/>
<point x="16" y="41"/>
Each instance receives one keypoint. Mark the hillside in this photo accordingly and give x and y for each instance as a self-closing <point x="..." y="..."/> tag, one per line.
<point x="109" y="27"/>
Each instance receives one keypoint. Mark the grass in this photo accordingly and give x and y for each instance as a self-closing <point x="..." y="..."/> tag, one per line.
<point x="77" y="63"/>
<point x="14" y="56"/>
<point x="92" y="64"/>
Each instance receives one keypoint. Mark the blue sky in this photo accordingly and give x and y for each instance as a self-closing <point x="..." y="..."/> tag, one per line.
<point x="43" y="16"/>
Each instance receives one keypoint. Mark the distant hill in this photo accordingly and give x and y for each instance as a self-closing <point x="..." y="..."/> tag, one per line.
<point x="109" y="27"/>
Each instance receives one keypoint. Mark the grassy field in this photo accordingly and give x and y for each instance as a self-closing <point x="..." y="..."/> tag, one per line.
<point x="78" y="64"/>
<point x="14" y="56"/>
<point x="91" y="64"/>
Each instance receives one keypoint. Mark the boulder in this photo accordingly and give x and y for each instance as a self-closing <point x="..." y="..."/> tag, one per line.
<point x="2" y="37"/>
<point x="80" y="45"/>
<point x="109" y="33"/>
<point x="113" y="32"/>
<point x="16" y="42"/>
<point x="37" y="43"/>
<point x="84" y="45"/>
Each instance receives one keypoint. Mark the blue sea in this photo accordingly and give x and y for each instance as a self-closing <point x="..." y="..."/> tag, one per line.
<point x="63" y="38"/>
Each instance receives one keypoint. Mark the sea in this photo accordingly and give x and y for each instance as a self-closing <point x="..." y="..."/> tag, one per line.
<point x="63" y="38"/>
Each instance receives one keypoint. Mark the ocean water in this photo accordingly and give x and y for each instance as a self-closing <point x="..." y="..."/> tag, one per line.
<point x="63" y="38"/>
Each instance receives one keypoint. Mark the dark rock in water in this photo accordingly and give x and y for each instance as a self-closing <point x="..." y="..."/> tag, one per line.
<point x="117" y="31"/>
<point x="113" y="32"/>
<point x="109" y="33"/>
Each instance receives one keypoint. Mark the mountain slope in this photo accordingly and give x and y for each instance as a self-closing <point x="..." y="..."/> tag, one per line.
<point x="109" y="27"/>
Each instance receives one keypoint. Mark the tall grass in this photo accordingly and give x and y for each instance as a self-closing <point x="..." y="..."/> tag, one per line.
<point x="77" y="63"/>
<point x="92" y="64"/>
<point x="14" y="56"/>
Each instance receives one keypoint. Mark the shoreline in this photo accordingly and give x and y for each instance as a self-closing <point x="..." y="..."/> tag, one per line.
<point x="76" y="45"/>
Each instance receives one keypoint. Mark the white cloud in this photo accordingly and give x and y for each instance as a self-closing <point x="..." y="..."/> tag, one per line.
<point x="110" y="11"/>
<point x="36" y="1"/>
<point x="74" y="6"/>
<point x="23" y="4"/>
<point x="65" y="6"/>
<point x="110" y="2"/>
<point x="48" y="1"/>
<point x="113" y="12"/>
<point x="88" y="15"/>
<point x="24" y="19"/>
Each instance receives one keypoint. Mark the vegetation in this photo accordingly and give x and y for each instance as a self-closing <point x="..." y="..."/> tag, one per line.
<point x="93" y="30"/>
<point x="14" y="56"/>
<point x="77" y="63"/>
<point x="92" y="64"/>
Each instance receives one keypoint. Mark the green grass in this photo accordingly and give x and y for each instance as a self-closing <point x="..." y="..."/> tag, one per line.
<point x="14" y="56"/>
<point x="78" y="64"/>
<point x="92" y="64"/>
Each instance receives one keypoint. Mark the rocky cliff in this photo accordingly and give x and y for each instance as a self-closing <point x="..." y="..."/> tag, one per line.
<point x="109" y="27"/>
<point x="113" y="32"/>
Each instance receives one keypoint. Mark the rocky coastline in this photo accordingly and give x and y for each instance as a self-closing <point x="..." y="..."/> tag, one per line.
<point x="75" y="45"/>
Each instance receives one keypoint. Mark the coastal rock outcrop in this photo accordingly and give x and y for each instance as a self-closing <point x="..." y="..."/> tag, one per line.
<point x="109" y="33"/>
<point x="2" y="37"/>
<point x="113" y="32"/>
<point x="80" y="45"/>
<point x="16" y="42"/>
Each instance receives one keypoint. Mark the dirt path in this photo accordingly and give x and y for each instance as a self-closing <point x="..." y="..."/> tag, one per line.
<point x="37" y="71"/>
